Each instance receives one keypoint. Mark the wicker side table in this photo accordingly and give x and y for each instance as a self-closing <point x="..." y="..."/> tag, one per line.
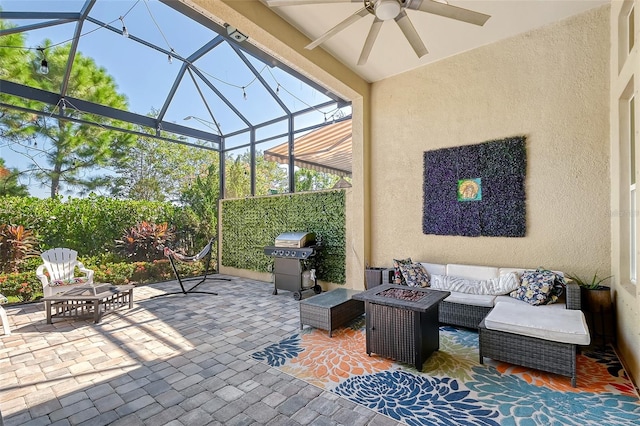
<point x="330" y="310"/>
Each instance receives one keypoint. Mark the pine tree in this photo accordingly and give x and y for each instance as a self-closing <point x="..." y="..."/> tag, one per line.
<point x="62" y="152"/>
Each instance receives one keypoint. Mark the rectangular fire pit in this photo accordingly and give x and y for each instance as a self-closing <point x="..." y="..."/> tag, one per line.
<point x="402" y="322"/>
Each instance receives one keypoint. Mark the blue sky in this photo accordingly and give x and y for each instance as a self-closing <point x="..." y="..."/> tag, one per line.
<point x="146" y="76"/>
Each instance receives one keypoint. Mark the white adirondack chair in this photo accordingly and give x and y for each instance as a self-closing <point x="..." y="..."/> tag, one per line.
<point x="61" y="264"/>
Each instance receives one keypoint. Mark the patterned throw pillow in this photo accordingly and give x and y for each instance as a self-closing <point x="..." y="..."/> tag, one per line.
<point x="539" y="287"/>
<point x="397" y="274"/>
<point x="415" y="275"/>
<point x="68" y="281"/>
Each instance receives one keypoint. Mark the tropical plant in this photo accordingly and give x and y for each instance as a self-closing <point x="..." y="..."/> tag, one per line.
<point x="593" y="284"/>
<point x="202" y="199"/>
<point x="157" y="170"/>
<point x="22" y="287"/>
<point x="269" y="176"/>
<point x="16" y="245"/>
<point x="311" y="180"/>
<point x="145" y="241"/>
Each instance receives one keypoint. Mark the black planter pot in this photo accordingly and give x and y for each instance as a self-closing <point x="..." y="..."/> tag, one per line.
<point x="596" y="300"/>
<point x="597" y="306"/>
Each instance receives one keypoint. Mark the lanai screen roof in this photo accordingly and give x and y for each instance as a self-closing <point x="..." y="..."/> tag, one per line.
<point x="187" y="78"/>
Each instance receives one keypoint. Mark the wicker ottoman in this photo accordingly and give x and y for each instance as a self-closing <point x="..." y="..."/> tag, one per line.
<point x="330" y="310"/>
<point x="534" y="337"/>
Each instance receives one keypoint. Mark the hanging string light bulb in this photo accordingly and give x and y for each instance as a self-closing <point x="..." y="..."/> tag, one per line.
<point x="278" y="89"/>
<point x="44" y="65"/>
<point x="170" y="56"/>
<point x="244" y="93"/>
<point x="125" y="33"/>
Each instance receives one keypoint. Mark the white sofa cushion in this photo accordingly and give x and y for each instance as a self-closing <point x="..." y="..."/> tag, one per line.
<point x="508" y="299"/>
<point x="518" y="271"/>
<point x="434" y="268"/>
<point x="492" y="286"/>
<point x="472" y="271"/>
<point x="558" y="325"/>
<point x="471" y="299"/>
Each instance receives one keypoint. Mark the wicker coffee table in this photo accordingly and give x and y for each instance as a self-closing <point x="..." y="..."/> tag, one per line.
<point x="88" y="301"/>
<point x="330" y="310"/>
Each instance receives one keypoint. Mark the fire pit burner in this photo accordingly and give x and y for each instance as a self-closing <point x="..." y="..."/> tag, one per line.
<point x="402" y="294"/>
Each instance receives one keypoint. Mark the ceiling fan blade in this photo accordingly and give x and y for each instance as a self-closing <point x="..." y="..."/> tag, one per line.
<point x="276" y="3"/>
<point x="341" y="26"/>
<point x="411" y="34"/>
<point x="371" y="38"/>
<point x="453" y="12"/>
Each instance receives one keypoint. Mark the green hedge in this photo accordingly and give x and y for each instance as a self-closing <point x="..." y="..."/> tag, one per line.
<point x="250" y="224"/>
<point x="25" y="286"/>
<point x="91" y="225"/>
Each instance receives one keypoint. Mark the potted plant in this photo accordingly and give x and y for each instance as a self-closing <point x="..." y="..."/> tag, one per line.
<point x="596" y="297"/>
<point x="596" y="302"/>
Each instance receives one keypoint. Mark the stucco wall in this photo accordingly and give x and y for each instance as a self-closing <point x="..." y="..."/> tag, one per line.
<point x="551" y="85"/>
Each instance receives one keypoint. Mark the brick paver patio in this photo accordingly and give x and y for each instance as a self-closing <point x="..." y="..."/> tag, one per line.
<point x="175" y="360"/>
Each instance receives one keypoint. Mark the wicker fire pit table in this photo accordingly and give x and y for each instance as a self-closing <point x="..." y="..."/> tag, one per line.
<point x="402" y="322"/>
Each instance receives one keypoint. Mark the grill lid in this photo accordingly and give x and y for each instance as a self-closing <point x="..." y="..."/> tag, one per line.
<point x="295" y="239"/>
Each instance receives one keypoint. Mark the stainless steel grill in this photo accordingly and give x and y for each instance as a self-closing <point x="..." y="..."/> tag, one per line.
<point x="294" y="263"/>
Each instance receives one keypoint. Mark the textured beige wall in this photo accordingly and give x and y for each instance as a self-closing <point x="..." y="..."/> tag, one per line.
<point x="626" y="295"/>
<point x="550" y="85"/>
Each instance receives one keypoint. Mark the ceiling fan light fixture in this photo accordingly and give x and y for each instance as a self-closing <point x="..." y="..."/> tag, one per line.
<point x="387" y="9"/>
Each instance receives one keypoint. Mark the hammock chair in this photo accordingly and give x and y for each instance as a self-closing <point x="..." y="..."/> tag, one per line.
<point x="205" y="254"/>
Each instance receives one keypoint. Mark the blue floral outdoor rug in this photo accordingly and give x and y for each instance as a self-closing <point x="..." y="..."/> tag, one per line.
<point x="453" y="387"/>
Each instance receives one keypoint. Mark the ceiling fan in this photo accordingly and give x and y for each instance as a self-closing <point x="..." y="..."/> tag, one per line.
<point x="386" y="10"/>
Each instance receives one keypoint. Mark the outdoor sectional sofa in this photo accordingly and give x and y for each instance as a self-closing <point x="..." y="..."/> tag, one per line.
<point x="543" y="337"/>
<point x="468" y="310"/>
